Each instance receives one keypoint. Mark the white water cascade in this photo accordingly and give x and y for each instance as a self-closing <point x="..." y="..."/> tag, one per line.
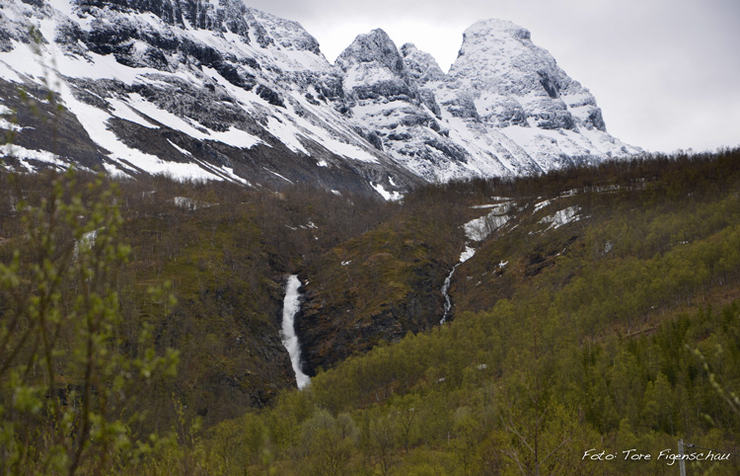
<point x="446" y="294"/>
<point x="291" y="306"/>
<point x="464" y="256"/>
<point x="477" y="230"/>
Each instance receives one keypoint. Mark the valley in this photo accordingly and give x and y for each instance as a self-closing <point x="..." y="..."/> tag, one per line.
<point x="222" y="253"/>
<point x="623" y="271"/>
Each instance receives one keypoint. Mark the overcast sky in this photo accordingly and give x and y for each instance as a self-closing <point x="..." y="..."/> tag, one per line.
<point x="666" y="73"/>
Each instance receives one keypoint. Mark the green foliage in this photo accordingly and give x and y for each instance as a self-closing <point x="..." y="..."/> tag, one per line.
<point x="535" y="412"/>
<point x="66" y="382"/>
<point x="617" y="331"/>
<point x="592" y="349"/>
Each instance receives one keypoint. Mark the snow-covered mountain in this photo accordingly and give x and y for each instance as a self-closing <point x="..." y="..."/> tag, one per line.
<point x="214" y="89"/>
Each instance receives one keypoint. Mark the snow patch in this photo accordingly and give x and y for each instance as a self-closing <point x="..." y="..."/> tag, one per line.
<point x="287" y="134"/>
<point x="233" y="136"/>
<point x="95" y="121"/>
<point x="569" y="193"/>
<point x="9" y="126"/>
<point x="540" y="205"/>
<point x="123" y="111"/>
<point x="391" y="196"/>
<point x="24" y="155"/>
<point x="190" y="204"/>
<point x="562" y="217"/>
<point x="179" y="149"/>
<point x="467" y="253"/>
<point x="478" y="229"/>
<point x="278" y="175"/>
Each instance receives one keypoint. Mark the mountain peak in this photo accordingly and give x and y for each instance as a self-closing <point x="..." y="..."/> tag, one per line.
<point x="495" y="38"/>
<point x="496" y="27"/>
<point x="217" y="90"/>
<point x="287" y="34"/>
<point x="517" y="83"/>
<point x="373" y="47"/>
<point x="421" y="65"/>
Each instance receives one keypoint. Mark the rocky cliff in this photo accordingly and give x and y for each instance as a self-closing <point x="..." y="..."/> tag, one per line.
<point x="216" y="90"/>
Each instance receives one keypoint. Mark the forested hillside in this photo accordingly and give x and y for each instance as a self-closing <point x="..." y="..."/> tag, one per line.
<point x="589" y="308"/>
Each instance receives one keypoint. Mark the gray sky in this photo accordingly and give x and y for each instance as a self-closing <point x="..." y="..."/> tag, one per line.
<point x="666" y="73"/>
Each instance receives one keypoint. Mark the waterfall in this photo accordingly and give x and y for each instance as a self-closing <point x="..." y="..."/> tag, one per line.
<point x="477" y="230"/>
<point x="446" y="295"/>
<point x="291" y="306"/>
<point x="467" y="253"/>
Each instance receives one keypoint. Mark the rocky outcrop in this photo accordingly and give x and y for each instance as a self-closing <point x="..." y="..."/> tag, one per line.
<point x="330" y="329"/>
<point x="503" y="84"/>
<point x="422" y="66"/>
<point x="385" y="98"/>
<point x="210" y="90"/>
<point x="249" y="97"/>
<point x="517" y="83"/>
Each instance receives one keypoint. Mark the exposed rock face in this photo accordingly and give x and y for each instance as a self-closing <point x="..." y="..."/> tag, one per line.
<point x="421" y="65"/>
<point x="505" y="107"/>
<point x="515" y="82"/>
<point x="504" y="84"/>
<point x="197" y="89"/>
<point x="384" y="98"/>
<point x="370" y="52"/>
<point x="374" y="71"/>
<point x="213" y="89"/>
<point x="329" y="333"/>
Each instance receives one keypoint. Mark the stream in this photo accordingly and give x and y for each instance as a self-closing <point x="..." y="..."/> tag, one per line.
<point x="464" y="256"/>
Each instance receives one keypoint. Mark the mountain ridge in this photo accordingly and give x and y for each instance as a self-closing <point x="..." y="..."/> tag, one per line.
<point x="218" y="90"/>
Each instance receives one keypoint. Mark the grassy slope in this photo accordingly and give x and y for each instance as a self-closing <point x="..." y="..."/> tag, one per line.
<point x="575" y="344"/>
<point x="226" y="261"/>
<point x="579" y="339"/>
